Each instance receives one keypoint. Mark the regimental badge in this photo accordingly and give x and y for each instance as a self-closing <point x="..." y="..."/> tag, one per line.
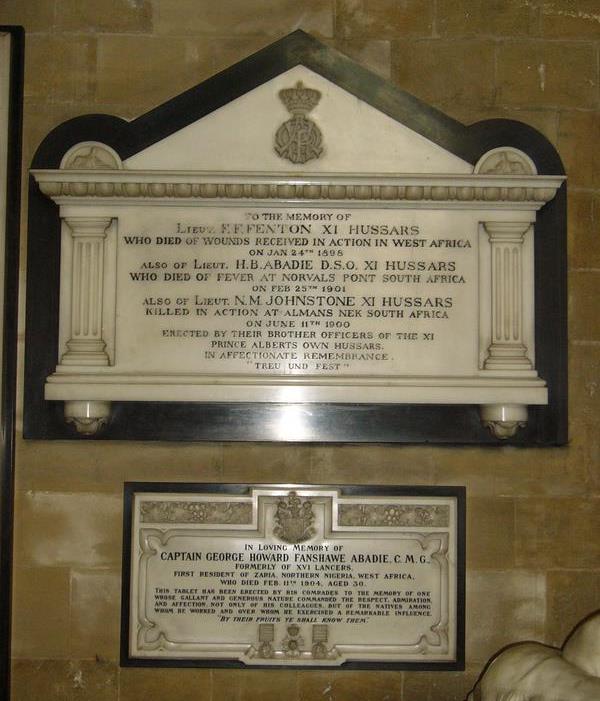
<point x="299" y="139"/>
<point x="294" y="517"/>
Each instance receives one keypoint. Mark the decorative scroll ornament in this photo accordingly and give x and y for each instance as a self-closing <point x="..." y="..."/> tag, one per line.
<point x="294" y="518"/>
<point x="299" y="139"/>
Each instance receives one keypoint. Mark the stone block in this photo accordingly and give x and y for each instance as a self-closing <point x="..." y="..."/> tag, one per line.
<point x="584" y="389"/>
<point x="40" y="679"/>
<point x="547" y="74"/>
<point x="95" y="614"/>
<point x="337" y="685"/>
<point x="560" y="532"/>
<point x="372" y="464"/>
<point x="570" y="19"/>
<point x="435" y="71"/>
<point x="544" y="120"/>
<point x="40" y="613"/>
<point x="504" y="607"/>
<point x="506" y="471"/>
<point x="383" y="19"/>
<point x="579" y="147"/>
<point x="586" y="438"/>
<point x="252" y="462"/>
<point x="60" y="68"/>
<point x="449" y="686"/>
<point x="58" y="529"/>
<point x="490" y="533"/>
<point x="584" y="291"/>
<point x="33" y="15"/>
<point x="248" y="685"/>
<point x="147" y="70"/>
<point x="583" y="220"/>
<point x="103" y="467"/>
<point x="273" y="18"/>
<point x="571" y="595"/>
<point x="227" y="51"/>
<point x="109" y="16"/>
<point x="506" y="18"/>
<point x="93" y="680"/>
<point x="373" y="54"/>
<point x="164" y="683"/>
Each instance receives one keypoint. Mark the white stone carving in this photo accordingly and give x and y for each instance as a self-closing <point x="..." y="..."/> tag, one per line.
<point x="299" y="139"/>
<point x="86" y="345"/>
<point x="490" y="359"/>
<point x="503" y="420"/>
<point x="527" y="192"/>
<point x="307" y="606"/>
<point x="507" y="350"/>
<point x="91" y="155"/>
<point x="534" y="672"/>
<point x="88" y="417"/>
<point x="505" y="161"/>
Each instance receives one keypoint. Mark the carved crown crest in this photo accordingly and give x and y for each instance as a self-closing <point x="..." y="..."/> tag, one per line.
<point x="294" y="518"/>
<point x="299" y="99"/>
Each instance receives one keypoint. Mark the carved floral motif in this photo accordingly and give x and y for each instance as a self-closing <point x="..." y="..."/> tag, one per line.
<point x="393" y="515"/>
<point x="195" y="512"/>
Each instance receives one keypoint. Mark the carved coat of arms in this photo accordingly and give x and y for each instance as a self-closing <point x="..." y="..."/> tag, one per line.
<point x="299" y="139"/>
<point x="294" y="518"/>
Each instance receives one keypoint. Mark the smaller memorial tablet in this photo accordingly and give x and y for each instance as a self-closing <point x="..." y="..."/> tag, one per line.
<point x="276" y="575"/>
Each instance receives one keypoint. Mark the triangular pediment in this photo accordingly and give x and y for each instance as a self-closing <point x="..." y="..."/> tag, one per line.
<point x="353" y="136"/>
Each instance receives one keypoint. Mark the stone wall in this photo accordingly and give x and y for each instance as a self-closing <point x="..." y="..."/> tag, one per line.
<point x="533" y="514"/>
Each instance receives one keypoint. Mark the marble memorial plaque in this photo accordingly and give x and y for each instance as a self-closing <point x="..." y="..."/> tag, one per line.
<point x="294" y="575"/>
<point x="299" y="243"/>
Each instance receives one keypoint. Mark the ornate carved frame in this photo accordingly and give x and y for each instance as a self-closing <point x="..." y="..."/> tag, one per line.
<point x="240" y="517"/>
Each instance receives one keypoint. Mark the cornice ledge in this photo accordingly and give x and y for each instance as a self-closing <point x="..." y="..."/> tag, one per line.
<point x="179" y="185"/>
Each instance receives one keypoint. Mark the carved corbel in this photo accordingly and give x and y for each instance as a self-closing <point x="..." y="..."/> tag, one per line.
<point x="503" y="420"/>
<point x="88" y="417"/>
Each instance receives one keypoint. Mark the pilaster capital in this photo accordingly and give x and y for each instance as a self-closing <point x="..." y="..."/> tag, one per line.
<point x="88" y="226"/>
<point x="506" y="231"/>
